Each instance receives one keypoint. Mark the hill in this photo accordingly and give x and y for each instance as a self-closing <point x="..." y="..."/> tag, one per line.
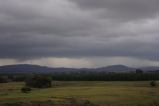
<point x="29" y="68"/>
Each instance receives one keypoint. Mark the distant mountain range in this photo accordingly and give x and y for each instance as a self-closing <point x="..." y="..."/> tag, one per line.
<point x="28" y="68"/>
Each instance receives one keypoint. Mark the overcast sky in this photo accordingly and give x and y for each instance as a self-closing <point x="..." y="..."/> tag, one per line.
<point x="79" y="33"/>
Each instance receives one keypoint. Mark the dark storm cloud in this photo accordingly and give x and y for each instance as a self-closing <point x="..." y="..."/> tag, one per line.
<point x="79" y="28"/>
<point x="122" y="9"/>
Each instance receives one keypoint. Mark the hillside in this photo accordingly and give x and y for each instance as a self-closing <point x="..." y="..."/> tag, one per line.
<point x="28" y="68"/>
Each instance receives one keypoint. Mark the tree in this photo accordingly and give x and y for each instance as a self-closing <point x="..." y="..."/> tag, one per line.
<point x="25" y="89"/>
<point x="153" y="83"/>
<point x="3" y="79"/>
<point x="39" y="81"/>
<point x="139" y="71"/>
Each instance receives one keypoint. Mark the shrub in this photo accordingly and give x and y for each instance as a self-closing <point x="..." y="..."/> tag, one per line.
<point x="25" y="89"/>
<point x="153" y="83"/>
<point x="39" y="81"/>
<point x="3" y="79"/>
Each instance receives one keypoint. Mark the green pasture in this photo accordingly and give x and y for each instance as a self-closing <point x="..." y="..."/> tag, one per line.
<point x="113" y="93"/>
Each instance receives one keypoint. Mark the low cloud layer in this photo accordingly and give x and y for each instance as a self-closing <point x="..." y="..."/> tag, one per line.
<point x="74" y="29"/>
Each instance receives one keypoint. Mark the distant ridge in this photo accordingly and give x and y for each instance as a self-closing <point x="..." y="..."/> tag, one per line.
<point x="150" y="68"/>
<point x="29" y="68"/>
<point x="118" y="68"/>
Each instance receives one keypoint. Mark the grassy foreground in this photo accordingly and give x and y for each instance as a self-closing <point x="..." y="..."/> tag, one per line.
<point x="103" y="93"/>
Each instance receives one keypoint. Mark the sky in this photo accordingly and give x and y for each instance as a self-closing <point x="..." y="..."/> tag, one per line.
<point x="79" y="33"/>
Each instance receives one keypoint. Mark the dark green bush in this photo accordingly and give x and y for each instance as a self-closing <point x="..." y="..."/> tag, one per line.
<point x="153" y="83"/>
<point x="3" y="79"/>
<point x="39" y="81"/>
<point x="25" y="89"/>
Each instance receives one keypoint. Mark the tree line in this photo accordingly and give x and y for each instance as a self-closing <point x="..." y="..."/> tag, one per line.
<point x="84" y="76"/>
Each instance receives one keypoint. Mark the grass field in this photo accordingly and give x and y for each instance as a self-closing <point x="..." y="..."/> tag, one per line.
<point x="111" y="93"/>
